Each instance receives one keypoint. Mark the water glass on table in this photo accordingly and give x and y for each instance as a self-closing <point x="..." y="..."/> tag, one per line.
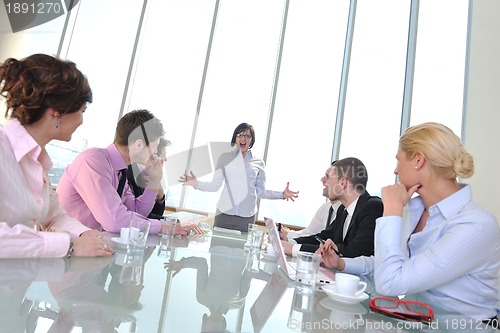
<point x="251" y="227"/>
<point x="138" y="235"/>
<point x="256" y="240"/>
<point x="307" y="269"/>
<point x="166" y="238"/>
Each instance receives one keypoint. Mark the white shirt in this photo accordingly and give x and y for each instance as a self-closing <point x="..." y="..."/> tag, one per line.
<point x="244" y="181"/>
<point x="350" y="212"/>
<point x="318" y="222"/>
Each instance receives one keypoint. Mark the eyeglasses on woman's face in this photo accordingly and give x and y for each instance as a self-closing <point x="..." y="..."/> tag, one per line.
<point x="244" y="135"/>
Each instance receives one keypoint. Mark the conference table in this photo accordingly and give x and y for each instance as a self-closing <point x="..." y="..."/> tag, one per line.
<point x="198" y="283"/>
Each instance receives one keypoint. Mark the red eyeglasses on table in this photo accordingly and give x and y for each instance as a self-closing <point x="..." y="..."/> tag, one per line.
<point x="402" y="309"/>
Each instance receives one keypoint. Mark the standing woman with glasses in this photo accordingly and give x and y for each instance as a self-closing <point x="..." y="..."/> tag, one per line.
<point x="237" y="206"/>
<point x="444" y="245"/>
<point x="45" y="99"/>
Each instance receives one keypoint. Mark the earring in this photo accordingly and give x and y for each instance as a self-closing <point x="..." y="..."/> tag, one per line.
<point x="58" y="121"/>
<point x="416" y="166"/>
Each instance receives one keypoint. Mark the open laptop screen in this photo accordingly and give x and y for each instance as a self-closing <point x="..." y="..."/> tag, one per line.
<point x="324" y="275"/>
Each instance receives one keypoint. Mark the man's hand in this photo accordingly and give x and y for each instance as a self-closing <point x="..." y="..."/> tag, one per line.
<point x="287" y="246"/>
<point x="284" y="233"/>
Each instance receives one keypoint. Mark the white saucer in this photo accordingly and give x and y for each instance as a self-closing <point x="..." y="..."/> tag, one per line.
<point x="267" y="256"/>
<point x="332" y="293"/>
<point x="353" y="309"/>
<point x="118" y="241"/>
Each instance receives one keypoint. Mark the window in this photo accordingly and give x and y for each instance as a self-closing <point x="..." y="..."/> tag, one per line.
<point x="205" y="66"/>
<point x="440" y="63"/>
<point x="300" y="146"/>
<point x="374" y="97"/>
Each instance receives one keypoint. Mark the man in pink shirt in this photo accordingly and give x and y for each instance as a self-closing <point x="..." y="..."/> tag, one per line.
<point x="90" y="188"/>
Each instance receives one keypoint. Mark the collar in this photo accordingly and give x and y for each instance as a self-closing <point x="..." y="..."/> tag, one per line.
<point x="336" y="205"/>
<point x="352" y="207"/>
<point x="453" y="204"/>
<point x="24" y="144"/>
<point x="116" y="159"/>
<point x="237" y="151"/>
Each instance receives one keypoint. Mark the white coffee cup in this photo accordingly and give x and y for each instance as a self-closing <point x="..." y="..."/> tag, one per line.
<point x="124" y="232"/>
<point x="349" y="285"/>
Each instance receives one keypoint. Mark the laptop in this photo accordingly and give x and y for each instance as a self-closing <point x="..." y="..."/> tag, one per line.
<point x="324" y="275"/>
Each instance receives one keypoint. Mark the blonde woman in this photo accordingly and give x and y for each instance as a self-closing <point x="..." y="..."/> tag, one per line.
<point x="451" y="250"/>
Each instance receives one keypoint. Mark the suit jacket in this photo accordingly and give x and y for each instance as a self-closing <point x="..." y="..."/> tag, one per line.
<point x="360" y="235"/>
<point x="138" y="189"/>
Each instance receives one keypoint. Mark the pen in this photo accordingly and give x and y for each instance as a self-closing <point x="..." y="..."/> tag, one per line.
<point x="323" y="242"/>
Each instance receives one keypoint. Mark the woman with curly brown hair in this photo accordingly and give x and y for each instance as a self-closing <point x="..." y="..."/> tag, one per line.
<point x="45" y="98"/>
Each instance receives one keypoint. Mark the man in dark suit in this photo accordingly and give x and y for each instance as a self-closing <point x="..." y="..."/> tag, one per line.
<point x="353" y="228"/>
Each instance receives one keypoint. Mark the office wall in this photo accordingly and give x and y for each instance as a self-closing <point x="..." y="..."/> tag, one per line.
<point x="483" y="104"/>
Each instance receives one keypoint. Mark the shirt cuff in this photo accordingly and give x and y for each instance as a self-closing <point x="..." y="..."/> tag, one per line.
<point x="56" y="244"/>
<point x="155" y="226"/>
<point x="352" y="266"/>
<point x="296" y="249"/>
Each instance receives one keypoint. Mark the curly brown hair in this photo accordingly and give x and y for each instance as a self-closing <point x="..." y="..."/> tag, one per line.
<point x="38" y="82"/>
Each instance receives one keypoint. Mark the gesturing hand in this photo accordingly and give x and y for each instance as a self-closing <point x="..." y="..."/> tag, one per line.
<point x="289" y="194"/>
<point x="188" y="179"/>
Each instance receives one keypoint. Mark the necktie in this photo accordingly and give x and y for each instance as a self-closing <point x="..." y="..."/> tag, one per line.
<point x="330" y="212"/>
<point x="345" y="225"/>
<point x="121" y="184"/>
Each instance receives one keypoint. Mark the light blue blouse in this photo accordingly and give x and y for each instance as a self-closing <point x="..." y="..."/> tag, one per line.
<point x="454" y="260"/>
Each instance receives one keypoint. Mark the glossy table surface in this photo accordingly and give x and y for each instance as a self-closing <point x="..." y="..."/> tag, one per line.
<point x="207" y="283"/>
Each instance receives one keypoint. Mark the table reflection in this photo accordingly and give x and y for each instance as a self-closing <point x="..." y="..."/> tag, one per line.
<point x="222" y="281"/>
<point x="215" y="286"/>
<point x="16" y="277"/>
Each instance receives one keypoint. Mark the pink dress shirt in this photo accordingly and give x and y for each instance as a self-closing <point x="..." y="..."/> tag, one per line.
<point x="87" y="191"/>
<point x="27" y="200"/>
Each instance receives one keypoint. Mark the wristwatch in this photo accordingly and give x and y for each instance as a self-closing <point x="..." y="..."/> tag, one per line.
<point x="70" y="250"/>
